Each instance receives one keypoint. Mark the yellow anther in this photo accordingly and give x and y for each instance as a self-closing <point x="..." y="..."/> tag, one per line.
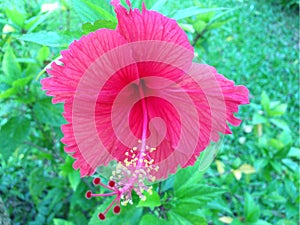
<point x="134" y="148"/>
<point x="126" y="153"/>
<point x="124" y="203"/>
<point x="150" y="191"/>
<point x="139" y="141"/>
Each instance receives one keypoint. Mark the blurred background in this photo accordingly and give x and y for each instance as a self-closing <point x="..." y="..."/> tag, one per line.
<point x="254" y="179"/>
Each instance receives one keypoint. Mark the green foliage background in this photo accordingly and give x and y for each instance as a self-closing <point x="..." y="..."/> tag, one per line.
<point x="255" y="177"/>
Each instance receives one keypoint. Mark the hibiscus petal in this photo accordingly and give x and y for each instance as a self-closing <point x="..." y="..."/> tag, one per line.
<point x="87" y="64"/>
<point x="75" y="61"/>
<point x="148" y="25"/>
<point x="223" y="101"/>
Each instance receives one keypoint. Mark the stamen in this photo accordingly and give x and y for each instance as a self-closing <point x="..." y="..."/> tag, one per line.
<point x="96" y="181"/>
<point x="117" y="209"/>
<point x="88" y="194"/>
<point x="101" y="216"/>
<point x="128" y="175"/>
<point x="111" y="183"/>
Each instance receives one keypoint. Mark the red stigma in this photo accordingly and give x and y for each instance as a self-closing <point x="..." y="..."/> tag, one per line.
<point x="88" y="194"/>
<point x="96" y="181"/>
<point x="111" y="183"/>
<point x="101" y="216"/>
<point x="117" y="209"/>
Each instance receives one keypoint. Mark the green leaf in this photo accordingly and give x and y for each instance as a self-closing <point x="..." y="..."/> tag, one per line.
<point x="265" y="101"/>
<point x="37" y="184"/>
<point x="51" y="39"/>
<point x="291" y="164"/>
<point x="183" y="215"/>
<point x="177" y="219"/>
<point x="192" y="215"/>
<point x="209" y="154"/>
<point x="62" y="222"/>
<point x="130" y="212"/>
<point x="258" y="119"/>
<point x="260" y="222"/>
<point x="277" y="166"/>
<point x="43" y="54"/>
<point x="67" y="167"/>
<point x="90" y="27"/>
<point x="74" y="179"/>
<point x="294" y="152"/>
<point x="102" y="12"/>
<point x="259" y="164"/>
<point x="8" y="93"/>
<point x="197" y="193"/>
<point x="275" y="197"/>
<point x="216" y="25"/>
<point x="17" y="87"/>
<point x="251" y="210"/>
<point x="12" y="135"/>
<point x="89" y="12"/>
<point x="10" y="66"/>
<point x="199" y="26"/>
<point x="286" y="222"/>
<point x="193" y="11"/>
<point x="206" y="17"/>
<point x="237" y="222"/>
<point x="187" y="27"/>
<point x="48" y="113"/>
<point x="277" y="109"/>
<point x="16" y="16"/>
<point x="151" y="219"/>
<point x="152" y="200"/>
<point x="220" y="205"/>
<point x="187" y="177"/>
<point x="158" y="5"/>
<point x="33" y="22"/>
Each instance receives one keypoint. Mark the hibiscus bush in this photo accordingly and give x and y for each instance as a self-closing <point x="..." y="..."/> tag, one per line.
<point x="254" y="177"/>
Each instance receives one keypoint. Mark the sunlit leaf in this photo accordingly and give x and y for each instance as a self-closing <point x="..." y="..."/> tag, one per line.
<point x="74" y="179"/>
<point x="226" y="219"/>
<point x="152" y="200"/>
<point x="220" y="167"/>
<point x="90" y="27"/>
<point x="16" y="16"/>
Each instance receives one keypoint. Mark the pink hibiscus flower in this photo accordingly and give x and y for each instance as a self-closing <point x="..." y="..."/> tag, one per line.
<point x="134" y="96"/>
